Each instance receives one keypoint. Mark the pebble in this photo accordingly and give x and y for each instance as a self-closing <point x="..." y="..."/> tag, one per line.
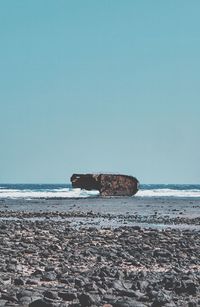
<point x="47" y="263"/>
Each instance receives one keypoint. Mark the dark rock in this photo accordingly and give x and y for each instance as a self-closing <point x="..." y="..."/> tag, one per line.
<point x="87" y="299"/>
<point x="171" y="304"/>
<point x="190" y="287"/>
<point x="11" y="297"/>
<point x="9" y="304"/>
<point x="18" y="282"/>
<point x="162" y="253"/>
<point x="161" y="298"/>
<point x="49" y="268"/>
<point x="32" y="281"/>
<point x="2" y="303"/>
<point x="50" y="294"/>
<point x="127" y="273"/>
<point x="25" y="300"/>
<point x="168" y="282"/>
<point x="49" y="276"/>
<point x="142" y="285"/>
<point x="130" y="302"/>
<point x="24" y="293"/>
<point x="118" y="285"/>
<point x="136" y="227"/>
<point x="106" y="184"/>
<point x="40" y="303"/>
<point x="91" y="286"/>
<point x="79" y="282"/>
<point x="193" y="303"/>
<point x="37" y="272"/>
<point x="67" y="296"/>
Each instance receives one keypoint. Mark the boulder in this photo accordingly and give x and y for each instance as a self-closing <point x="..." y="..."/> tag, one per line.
<point x="106" y="184"/>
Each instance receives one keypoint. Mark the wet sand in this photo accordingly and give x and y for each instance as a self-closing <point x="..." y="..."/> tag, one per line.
<point x="130" y="210"/>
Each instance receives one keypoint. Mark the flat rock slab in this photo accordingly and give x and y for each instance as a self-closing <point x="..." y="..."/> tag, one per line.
<point x="106" y="184"/>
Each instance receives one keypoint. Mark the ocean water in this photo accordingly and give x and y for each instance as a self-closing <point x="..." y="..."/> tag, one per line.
<point x="31" y="191"/>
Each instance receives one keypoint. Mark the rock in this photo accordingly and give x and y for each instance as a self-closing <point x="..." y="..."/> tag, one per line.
<point x="11" y="297"/>
<point x="50" y="294"/>
<point x="49" y="268"/>
<point x="130" y="302"/>
<point x="25" y="300"/>
<point x="171" y="304"/>
<point x="40" y="303"/>
<point x="67" y="296"/>
<point x="136" y="227"/>
<point x="193" y="303"/>
<point x="37" y="273"/>
<point x="115" y="266"/>
<point x="162" y="297"/>
<point x="18" y="282"/>
<point x="118" y="285"/>
<point x="162" y="253"/>
<point x="9" y="304"/>
<point x="106" y="184"/>
<point x="190" y="287"/>
<point x="87" y="299"/>
<point x="142" y="285"/>
<point x="32" y="281"/>
<point x="49" y="276"/>
<point x="2" y="303"/>
<point x="79" y="282"/>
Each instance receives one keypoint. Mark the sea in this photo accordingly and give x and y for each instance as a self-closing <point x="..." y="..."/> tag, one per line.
<point x="49" y="191"/>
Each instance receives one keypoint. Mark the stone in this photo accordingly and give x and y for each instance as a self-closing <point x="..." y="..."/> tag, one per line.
<point x="190" y="287"/>
<point x="18" y="282"/>
<point x="168" y="279"/>
<point x="2" y="303"/>
<point x="50" y="294"/>
<point x="162" y="253"/>
<point x="49" y="276"/>
<point x="162" y="297"/>
<point x="130" y="302"/>
<point x="40" y="303"/>
<point x="25" y="300"/>
<point x="86" y="299"/>
<point x="67" y="296"/>
<point x="106" y="184"/>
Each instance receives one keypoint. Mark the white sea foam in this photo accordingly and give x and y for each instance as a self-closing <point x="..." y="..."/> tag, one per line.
<point x="168" y="193"/>
<point x="57" y="193"/>
<point x="78" y="193"/>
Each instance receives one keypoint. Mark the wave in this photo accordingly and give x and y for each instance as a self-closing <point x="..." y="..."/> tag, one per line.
<point x="168" y="193"/>
<point x="56" y="193"/>
<point x="29" y="191"/>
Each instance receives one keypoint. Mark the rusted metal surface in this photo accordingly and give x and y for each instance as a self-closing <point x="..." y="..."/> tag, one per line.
<point x="106" y="184"/>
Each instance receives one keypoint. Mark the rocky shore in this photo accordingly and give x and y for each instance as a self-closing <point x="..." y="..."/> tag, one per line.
<point x="48" y="262"/>
<point x="78" y="218"/>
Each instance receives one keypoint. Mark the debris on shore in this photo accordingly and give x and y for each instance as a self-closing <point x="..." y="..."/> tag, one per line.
<point x="106" y="184"/>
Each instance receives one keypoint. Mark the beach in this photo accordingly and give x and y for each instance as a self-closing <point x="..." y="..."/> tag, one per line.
<point x="99" y="163"/>
<point x="123" y="251"/>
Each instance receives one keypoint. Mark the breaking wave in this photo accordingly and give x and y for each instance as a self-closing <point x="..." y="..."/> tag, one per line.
<point x="46" y="193"/>
<point x="169" y="191"/>
<point x="33" y="191"/>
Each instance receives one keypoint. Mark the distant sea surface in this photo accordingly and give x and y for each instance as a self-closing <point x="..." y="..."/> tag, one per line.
<point x="30" y="191"/>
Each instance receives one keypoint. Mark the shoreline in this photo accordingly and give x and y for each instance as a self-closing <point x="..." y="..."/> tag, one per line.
<point x="77" y="218"/>
<point x="129" y="209"/>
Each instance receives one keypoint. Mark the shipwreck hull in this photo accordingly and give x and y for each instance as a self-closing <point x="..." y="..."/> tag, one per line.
<point x="106" y="184"/>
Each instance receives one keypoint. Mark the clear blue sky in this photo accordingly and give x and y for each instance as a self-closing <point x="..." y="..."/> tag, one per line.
<point x="109" y="85"/>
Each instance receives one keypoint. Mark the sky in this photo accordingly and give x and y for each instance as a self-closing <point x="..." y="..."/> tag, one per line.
<point x="99" y="86"/>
